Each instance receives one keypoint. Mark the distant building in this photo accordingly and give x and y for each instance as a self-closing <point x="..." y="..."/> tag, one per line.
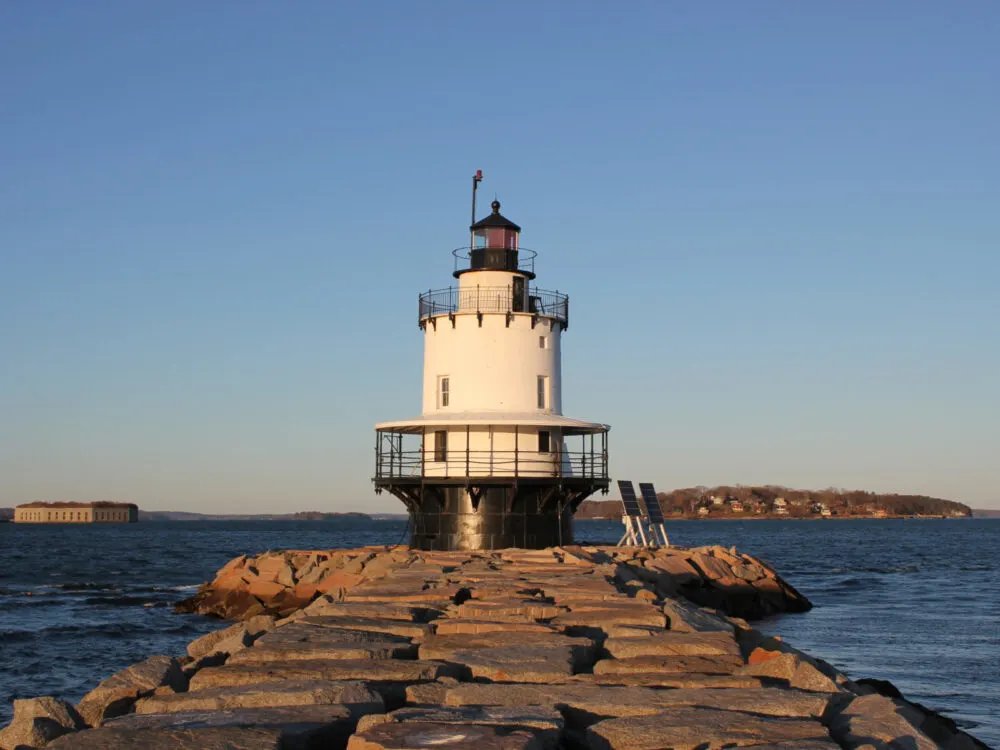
<point x="736" y="506"/>
<point x="99" y="512"/>
<point x="703" y="511"/>
<point x="716" y="500"/>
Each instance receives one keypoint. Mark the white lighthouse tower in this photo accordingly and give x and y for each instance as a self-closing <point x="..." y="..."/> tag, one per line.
<point x="491" y="462"/>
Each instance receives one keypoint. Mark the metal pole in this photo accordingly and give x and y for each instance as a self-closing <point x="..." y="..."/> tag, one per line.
<point x="516" y="441"/>
<point x="476" y="178"/>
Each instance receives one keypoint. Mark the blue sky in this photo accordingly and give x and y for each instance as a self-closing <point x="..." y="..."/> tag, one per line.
<point x="778" y="225"/>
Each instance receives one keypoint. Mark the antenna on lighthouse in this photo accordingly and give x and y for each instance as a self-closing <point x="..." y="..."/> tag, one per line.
<point x="476" y="179"/>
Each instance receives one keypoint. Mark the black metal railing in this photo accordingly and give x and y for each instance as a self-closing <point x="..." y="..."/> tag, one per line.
<point x="516" y="259"/>
<point x="494" y="299"/>
<point x="393" y="463"/>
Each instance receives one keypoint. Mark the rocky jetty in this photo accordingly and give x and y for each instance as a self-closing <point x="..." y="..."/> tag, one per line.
<point x="283" y="582"/>
<point x="576" y="647"/>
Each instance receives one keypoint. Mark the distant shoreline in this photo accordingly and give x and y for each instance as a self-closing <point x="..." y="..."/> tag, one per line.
<point x="695" y="517"/>
<point x="154" y="516"/>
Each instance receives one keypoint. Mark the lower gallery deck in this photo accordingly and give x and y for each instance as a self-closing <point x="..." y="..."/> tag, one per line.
<point x="487" y="486"/>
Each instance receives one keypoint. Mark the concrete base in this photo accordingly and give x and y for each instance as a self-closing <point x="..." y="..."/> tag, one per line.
<point x="530" y="517"/>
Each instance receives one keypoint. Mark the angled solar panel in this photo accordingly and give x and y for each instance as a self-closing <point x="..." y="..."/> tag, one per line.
<point x="652" y="502"/>
<point x="629" y="500"/>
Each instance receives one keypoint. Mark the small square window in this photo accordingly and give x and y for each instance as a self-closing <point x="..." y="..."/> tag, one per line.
<point x="544" y="440"/>
<point x="440" y="445"/>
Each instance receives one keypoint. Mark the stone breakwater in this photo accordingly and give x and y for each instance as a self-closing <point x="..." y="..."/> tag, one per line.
<point x="284" y="582"/>
<point x="577" y="647"/>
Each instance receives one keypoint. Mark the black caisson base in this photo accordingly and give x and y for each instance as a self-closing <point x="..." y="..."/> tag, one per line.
<point x="531" y="517"/>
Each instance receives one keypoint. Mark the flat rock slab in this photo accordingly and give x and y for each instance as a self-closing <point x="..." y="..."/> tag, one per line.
<point x="460" y="626"/>
<point x="116" y="695"/>
<point x="799" y="745"/>
<point x="414" y="630"/>
<point x="613" y="630"/>
<point x="430" y="694"/>
<point x="699" y="729"/>
<point x="445" y="646"/>
<point x="388" y="670"/>
<point x="354" y="694"/>
<point x="299" y="727"/>
<point x="300" y="641"/>
<point x="877" y="721"/>
<point x="718" y="664"/>
<point x="649" y="616"/>
<point x="525" y="609"/>
<point x="400" y="594"/>
<point x="687" y="618"/>
<point x="39" y="720"/>
<point x="417" y="735"/>
<point x="534" y="717"/>
<point x="541" y="664"/>
<point x="669" y="643"/>
<point x="589" y="701"/>
<point x="171" y="739"/>
<point x="668" y="680"/>
<point x="623" y="604"/>
<point x="221" y="640"/>
<point x="797" y="672"/>
<point x="382" y="611"/>
<point x="546" y="724"/>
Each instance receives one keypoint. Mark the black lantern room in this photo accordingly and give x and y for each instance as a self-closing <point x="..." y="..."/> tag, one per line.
<point x="494" y="243"/>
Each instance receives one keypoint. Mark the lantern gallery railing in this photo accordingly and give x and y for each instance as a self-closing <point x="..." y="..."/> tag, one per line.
<point x="483" y="258"/>
<point x="394" y="461"/>
<point x="494" y="299"/>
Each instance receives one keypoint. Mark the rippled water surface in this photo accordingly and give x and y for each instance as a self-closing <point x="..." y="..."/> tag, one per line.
<point x="916" y="602"/>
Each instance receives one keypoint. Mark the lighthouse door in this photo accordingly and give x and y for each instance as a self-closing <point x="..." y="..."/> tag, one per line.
<point x="518" y="300"/>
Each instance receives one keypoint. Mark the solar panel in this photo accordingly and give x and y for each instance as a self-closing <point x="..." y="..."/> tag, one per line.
<point x="629" y="500"/>
<point x="652" y="502"/>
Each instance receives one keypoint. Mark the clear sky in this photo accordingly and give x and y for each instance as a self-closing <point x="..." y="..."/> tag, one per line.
<point x="778" y="223"/>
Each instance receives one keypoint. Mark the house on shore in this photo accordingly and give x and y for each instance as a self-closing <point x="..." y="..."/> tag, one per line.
<point x="99" y="512"/>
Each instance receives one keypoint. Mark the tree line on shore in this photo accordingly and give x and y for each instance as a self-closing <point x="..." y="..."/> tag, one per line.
<point x="774" y="500"/>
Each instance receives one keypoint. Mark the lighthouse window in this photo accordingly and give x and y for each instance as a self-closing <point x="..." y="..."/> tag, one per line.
<point x="444" y="390"/>
<point x="440" y="445"/>
<point x="541" y="342"/>
<point x="543" y="441"/>
<point x="542" y="392"/>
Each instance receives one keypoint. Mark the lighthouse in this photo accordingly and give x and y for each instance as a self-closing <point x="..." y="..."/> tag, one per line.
<point x="492" y="462"/>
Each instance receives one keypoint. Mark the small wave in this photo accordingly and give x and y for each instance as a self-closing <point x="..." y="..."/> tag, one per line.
<point x="115" y="601"/>
<point x="34" y="602"/>
<point x="911" y="568"/>
<point x="977" y="568"/>
<point x="16" y="636"/>
<point x="186" y="587"/>
<point x="105" y="630"/>
<point x="85" y="586"/>
<point x="855" y="582"/>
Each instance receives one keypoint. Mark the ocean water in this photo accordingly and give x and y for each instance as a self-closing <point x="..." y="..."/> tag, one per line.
<point x="916" y="602"/>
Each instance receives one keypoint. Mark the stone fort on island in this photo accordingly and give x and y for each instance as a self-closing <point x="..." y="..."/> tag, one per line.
<point x="99" y="512"/>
